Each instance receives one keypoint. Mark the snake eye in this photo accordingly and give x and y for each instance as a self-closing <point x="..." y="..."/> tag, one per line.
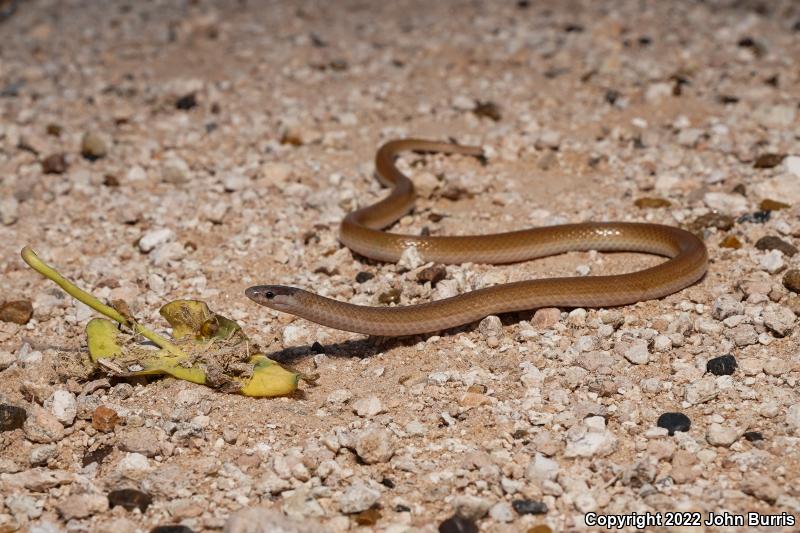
<point x="269" y="295"/>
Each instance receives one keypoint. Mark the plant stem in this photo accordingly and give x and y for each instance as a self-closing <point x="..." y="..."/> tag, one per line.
<point x="30" y="257"/>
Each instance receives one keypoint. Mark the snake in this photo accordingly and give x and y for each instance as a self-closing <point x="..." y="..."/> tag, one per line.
<point x="363" y="232"/>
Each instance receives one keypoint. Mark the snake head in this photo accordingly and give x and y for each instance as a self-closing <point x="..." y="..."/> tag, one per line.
<point x="279" y="297"/>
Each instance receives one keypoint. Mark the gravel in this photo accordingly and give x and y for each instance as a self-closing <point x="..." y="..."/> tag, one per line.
<point x="222" y="145"/>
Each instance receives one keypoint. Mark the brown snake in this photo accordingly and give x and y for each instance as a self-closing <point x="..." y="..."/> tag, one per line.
<point x="361" y="232"/>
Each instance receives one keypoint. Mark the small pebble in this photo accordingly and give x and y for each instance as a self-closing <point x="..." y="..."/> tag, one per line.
<point x="186" y="102"/>
<point x="724" y="365"/>
<point x="392" y="296"/>
<point x="730" y="241"/>
<point x="11" y="417"/>
<point x="491" y="326"/>
<point x="363" y="277"/>
<point x="458" y="524"/>
<point x="374" y="445"/>
<point x="529" y="507"/>
<point x="768" y="160"/>
<point x="753" y="436"/>
<point x="433" y="274"/>
<point x="652" y="203"/>
<point x="489" y="110"/>
<point x="93" y="146"/>
<point x="130" y="499"/>
<point x="42" y="427"/>
<point x="104" y="419"/>
<point x="368" y="407"/>
<point x="771" y="242"/>
<point x="772" y="205"/>
<point x="791" y="280"/>
<point x="546" y="317"/>
<point x="719" y="435"/>
<point x="16" y="311"/>
<point x="357" y="497"/>
<point x="673" y="422"/>
<point x="54" y="164"/>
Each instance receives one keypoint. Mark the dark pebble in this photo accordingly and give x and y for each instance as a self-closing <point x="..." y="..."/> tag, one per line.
<point x="54" y="164"/>
<point x="172" y="528"/>
<point x="712" y="220"/>
<point x="673" y="422"/>
<point x="11" y="417"/>
<point x="771" y="242"/>
<point x="529" y="507"/>
<point x="363" y="277"/>
<point x="392" y="296"/>
<point x="16" y="311"/>
<point x="130" y="499"/>
<point x="727" y="99"/>
<point x="753" y="436"/>
<point x="759" y="217"/>
<point x="612" y="96"/>
<point x="654" y="203"/>
<point x="488" y="110"/>
<point x="400" y="508"/>
<point x="772" y="205"/>
<point x="458" y="524"/>
<point x="768" y="160"/>
<point x="434" y="274"/>
<point x="54" y="129"/>
<point x="724" y="365"/>
<point x="791" y="280"/>
<point x="98" y="455"/>
<point x="386" y="482"/>
<point x="184" y="103"/>
<point x="369" y="517"/>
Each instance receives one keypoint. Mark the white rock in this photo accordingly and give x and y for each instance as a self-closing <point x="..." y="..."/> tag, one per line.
<point x="276" y="172"/>
<point x="410" y="259"/>
<point x="6" y="359"/>
<point x="719" y="435"/>
<point x="339" y="396"/>
<point x="775" y="116"/>
<point x="784" y="188"/>
<point x="64" y="407"/>
<point x="700" y="391"/>
<point x="9" y="210"/>
<point x="135" y="173"/>
<point x="772" y="261"/>
<point x="542" y="469"/>
<point x="793" y="417"/>
<point x="358" y="497"/>
<point x="665" y="182"/>
<point x="726" y="305"/>
<point x="463" y="103"/>
<point x="634" y="350"/>
<point x="726" y="203"/>
<point x="491" y="326"/>
<point x="590" y="438"/>
<point x="779" y="319"/>
<point x="175" y="170"/>
<point x="235" y="182"/>
<point x="502" y="512"/>
<point x="657" y="91"/>
<point x="293" y="335"/>
<point x="133" y="465"/>
<point x="155" y="237"/>
<point x="368" y="407"/>
<point x="792" y="165"/>
<point x="662" y="343"/>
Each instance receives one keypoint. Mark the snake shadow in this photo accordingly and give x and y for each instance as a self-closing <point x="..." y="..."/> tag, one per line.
<point x="369" y="346"/>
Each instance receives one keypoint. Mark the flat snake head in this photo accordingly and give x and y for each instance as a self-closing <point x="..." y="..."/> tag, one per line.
<point x="277" y="297"/>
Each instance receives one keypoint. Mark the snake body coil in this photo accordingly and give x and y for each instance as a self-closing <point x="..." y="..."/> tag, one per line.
<point x="361" y="232"/>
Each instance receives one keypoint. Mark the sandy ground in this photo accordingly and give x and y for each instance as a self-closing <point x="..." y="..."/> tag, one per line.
<point x="189" y="149"/>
